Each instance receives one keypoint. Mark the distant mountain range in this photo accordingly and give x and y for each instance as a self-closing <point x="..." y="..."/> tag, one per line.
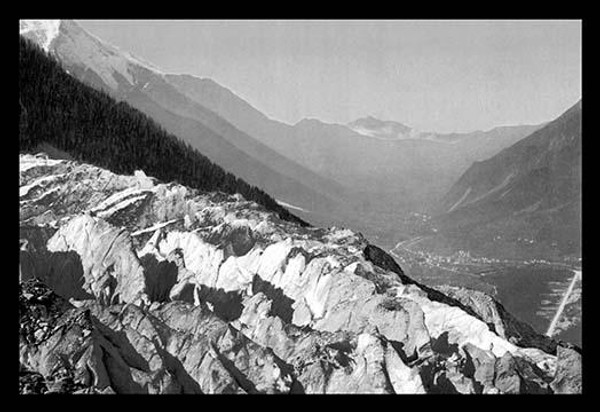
<point x="383" y="165"/>
<point x="362" y="174"/>
<point x="526" y="199"/>
<point x="312" y="164"/>
<point x="144" y="267"/>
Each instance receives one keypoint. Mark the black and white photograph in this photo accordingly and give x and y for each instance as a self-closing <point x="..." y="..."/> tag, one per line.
<point x="300" y="206"/>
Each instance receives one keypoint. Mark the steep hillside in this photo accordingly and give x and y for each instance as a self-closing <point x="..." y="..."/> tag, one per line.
<point x="331" y="173"/>
<point x="383" y="164"/>
<point x="528" y="193"/>
<point x="130" y="285"/>
<point x="146" y="88"/>
<point x="59" y="110"/>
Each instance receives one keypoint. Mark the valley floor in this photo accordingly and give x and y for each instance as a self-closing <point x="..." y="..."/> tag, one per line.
<point x="546" y="295"/>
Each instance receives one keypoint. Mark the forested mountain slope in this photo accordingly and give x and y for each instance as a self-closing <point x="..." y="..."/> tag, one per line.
<point x="59" y="110"/>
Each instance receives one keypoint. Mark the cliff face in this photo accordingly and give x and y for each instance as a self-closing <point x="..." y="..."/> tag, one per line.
<point x="130" y="286"/>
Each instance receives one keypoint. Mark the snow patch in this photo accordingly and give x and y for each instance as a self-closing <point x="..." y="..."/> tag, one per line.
<point x="290" y="206"/>
<point x="369" y="133"/>
<point x="117" y="197"/>
<point x="106" y="61"/>
<point x="154" y="227"/>
<point x="81" y="48"/>
<point x="462" y="198"/>
<point x="43" y="195"/>
<point x="24" y="190"/>
<point x="495" y="189"/>
<point x="44" y="31"/>
<point x="385" y="133"/>
<point x="120" y="205"/>
<point x="27" y="162"/>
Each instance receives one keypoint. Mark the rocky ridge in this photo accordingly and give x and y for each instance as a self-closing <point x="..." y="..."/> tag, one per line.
<point x="129" y="285"/>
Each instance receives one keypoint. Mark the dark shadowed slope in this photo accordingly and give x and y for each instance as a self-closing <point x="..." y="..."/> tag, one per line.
<point x="126" y="78"/>
<point x="59" y="110"/>
<point x="528" y="194"/>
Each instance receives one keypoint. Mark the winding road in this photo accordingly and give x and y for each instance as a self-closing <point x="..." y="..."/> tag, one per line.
<point x="405" y="243"/>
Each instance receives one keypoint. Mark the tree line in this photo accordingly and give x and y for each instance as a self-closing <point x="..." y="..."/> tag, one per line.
<point x="91" y="126"/>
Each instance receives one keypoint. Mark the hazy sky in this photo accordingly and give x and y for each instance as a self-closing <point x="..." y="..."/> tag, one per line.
<point x="432" y="75"/>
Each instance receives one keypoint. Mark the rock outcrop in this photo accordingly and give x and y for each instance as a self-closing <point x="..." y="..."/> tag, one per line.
<point x="171" y="290"/>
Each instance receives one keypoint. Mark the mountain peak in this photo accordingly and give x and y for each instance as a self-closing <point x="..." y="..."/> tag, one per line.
<point x="78" y="47"/>
<point x="373" y="127"/>
<point x="307" y="121"/>
<point x="44" y="31"/>
<point x="371" y="121"/>
<point x="368" y="119"/>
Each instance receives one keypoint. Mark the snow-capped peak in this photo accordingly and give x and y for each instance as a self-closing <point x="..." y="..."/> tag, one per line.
<point x="78" y="47"/>
<point x="383" y="130"/>
<point x="45" y="31"/>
